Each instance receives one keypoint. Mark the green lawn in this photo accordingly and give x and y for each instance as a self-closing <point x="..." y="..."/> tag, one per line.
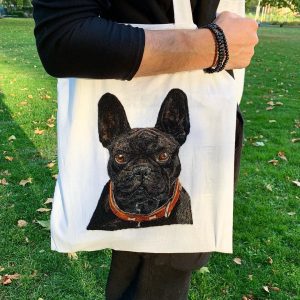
<point x="266" y="223"/>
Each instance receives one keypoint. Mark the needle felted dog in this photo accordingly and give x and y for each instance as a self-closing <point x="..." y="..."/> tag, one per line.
<point x="144" y="189"/>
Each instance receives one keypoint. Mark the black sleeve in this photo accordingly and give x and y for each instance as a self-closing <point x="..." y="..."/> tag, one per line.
<point x="73" y="41"/>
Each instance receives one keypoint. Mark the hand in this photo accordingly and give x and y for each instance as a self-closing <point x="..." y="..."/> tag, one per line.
<point x="241" y="36"/>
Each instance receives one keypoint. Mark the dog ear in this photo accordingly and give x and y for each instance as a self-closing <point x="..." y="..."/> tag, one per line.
<point x="173" y="117"/>
<point x="112" y="119"/>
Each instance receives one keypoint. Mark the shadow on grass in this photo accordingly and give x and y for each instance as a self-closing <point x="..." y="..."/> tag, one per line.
<point x="26" y="250"/>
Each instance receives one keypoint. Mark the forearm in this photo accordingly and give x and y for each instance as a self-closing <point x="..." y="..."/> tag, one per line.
<point x="171" y="51"/>
<point x="182" y="50"/>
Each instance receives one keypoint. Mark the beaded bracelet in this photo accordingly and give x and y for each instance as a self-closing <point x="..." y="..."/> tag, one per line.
<point x="221" y="48"/>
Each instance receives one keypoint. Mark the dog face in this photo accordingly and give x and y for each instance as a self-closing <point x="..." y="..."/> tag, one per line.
<point x="144" y="163"/>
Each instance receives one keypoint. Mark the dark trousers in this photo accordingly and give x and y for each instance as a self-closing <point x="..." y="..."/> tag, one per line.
<point x="160" y="276"/>
<point x="150" y="276"/>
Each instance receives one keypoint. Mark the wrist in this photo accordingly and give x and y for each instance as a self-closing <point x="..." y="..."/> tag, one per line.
<point x="222" y="52"/>
<point x="208" y="49"/>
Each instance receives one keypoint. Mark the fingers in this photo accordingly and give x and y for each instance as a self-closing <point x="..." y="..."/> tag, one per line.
<point x="241" y="35"/>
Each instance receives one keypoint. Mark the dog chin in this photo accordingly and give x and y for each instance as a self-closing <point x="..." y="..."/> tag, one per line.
<point x="141" y="203"/>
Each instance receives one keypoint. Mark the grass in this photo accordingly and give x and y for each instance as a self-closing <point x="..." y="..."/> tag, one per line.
<point x="289" y="18"/>
<point x="266" y="222"/>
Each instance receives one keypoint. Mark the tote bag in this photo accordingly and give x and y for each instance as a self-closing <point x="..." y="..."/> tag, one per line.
<point x="146" y="165"/>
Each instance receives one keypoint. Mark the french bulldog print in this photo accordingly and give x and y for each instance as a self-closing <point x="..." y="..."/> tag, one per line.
<point x="144" y="188"/>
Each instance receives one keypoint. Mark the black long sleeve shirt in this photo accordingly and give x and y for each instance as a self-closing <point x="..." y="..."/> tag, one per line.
<point x="84" y="38"/>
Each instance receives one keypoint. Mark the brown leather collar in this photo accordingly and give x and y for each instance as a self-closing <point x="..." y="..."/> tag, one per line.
<point x="163" y="211"/>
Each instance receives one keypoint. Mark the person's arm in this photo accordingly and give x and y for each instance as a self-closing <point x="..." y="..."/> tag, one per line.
<point x="182" y="50"/>
<point x="73" y="41"/>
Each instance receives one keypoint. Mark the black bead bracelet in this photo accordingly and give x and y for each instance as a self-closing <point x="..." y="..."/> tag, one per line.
<point x="221" y="48"/>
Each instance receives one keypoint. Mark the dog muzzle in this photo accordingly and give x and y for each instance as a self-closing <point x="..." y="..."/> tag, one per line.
<point x="161" y="212"/>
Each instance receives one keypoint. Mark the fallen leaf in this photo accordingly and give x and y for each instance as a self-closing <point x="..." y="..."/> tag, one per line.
<point x="22" y="223"/>
<point x="7" y="279"/>
<point x="204" y="270"/>
<point x="30" y="96"/>
<point x="23" y="102"/>
<point x="51" y="165"/>
<point x="55" y="176"/>
<point x="51" y="120"/>
<point x="270" y="108"/>
<point x="271" y="103"/>
<point x="237" y="260"/>
<point x="275" y="288"/>
<point x="49" y="200"/>
<point x="39" y="131"/>
<point x="1" y="269"/>
<point x="259" y="144"/>
<point x="3" y="181"/>
<point x="292" y="213"/>
<point x="50" y="125"/>
<point x="272" y="121"/>
<point x="279" y="103"/>
<point x="33" y="274"/>
<point x="296" y="182"/>
<point x="10" y="158"/>
<point x="26" y="239"/>
<point x="11" y="138"/>
<point x="6" y="172"/>
<point x="23" y="182"/>
<point x="45" y="224"/>
<point x="295" y="140"/>
<point x="270" y="260"/>
<point x="269" y="187"/>
<point x="43" y="209"/>
<point x="274" y="162"/>
<point x="72" y="255"/>
<point x="281" y="155"/>
<point x="266" y="288"/>
<point x="250" y="276"/>
<point x="248" y="297"/>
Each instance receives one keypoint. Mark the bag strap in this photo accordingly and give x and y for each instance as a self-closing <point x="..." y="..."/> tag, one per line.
<point x="183" y="16"/>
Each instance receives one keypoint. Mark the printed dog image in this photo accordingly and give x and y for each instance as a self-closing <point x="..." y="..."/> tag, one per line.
<point x="144" y="189"/>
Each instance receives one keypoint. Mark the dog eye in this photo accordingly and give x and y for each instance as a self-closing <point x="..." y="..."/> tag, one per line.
<point x="120" y="159"/>
<point x="163" y="156"/>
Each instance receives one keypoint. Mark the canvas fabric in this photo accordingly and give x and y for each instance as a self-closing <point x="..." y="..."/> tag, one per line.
<point x="206" y="157"/>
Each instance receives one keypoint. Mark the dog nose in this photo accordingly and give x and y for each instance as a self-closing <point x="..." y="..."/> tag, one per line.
<point x="141" y="171"/>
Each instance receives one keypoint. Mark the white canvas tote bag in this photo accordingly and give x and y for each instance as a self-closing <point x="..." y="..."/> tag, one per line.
<point x="146" y="165"/>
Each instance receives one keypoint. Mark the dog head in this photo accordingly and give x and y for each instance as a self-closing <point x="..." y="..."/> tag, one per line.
<point x="143" y="163"/>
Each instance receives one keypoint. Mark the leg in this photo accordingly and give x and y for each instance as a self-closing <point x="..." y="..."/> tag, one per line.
<point x="238" y="144"/>
<point x="167" y="276"/>
<point x="123" y="271"/>
<point x="161" y="282"/>
<point x="152" y="276"/>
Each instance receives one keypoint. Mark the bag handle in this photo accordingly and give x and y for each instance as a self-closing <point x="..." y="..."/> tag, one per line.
<point x="183" y="16"/>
